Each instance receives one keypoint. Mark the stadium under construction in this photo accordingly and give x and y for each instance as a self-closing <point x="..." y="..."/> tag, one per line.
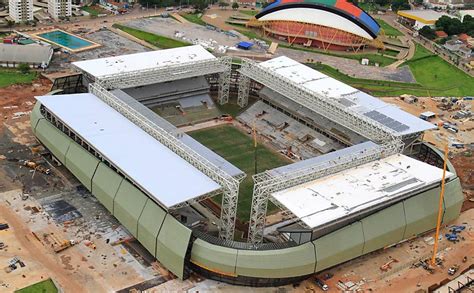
<point x="361" y="177"/>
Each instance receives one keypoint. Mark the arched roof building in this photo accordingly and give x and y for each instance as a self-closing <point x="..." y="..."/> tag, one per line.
<point x="327" y="24"/>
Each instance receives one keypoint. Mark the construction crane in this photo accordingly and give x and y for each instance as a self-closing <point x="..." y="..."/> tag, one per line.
<point x="440" y="207"/>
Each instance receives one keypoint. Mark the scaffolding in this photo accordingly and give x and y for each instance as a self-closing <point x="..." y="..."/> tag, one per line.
<point x="229" y="184"/>
<point x="221" y="66"/>
<point x="316" y="102"/>
<point x="266" y="183"/>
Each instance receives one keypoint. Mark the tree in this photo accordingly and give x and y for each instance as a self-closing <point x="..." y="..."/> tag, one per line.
<point x="235" y="5"/>
<point x="223" y="4"/>
<point x="10" y="23"/>
<point x="24" y="68"/>
<point x="428" y="32"/>
<point x="400" y="5"/>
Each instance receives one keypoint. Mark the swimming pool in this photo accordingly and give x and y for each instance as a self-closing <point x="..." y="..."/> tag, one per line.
<point x="65" y="40"/>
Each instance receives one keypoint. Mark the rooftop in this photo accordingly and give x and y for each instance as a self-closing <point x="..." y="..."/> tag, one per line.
<point x="326" y="199"/>
<point x="351" y="98"/>
<point x="32" y="53"/>
<point x="425" y="15"/>
<point x="158" y="171"/>
<point x="142" y="61"/>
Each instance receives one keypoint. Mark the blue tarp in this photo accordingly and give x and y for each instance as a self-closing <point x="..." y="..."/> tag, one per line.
<point x="244" y="45"/>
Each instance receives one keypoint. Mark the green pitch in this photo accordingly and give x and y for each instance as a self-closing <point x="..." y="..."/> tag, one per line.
<point x="237" y="148"/>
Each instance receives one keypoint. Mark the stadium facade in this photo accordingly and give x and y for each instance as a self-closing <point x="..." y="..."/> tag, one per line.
<point x="325" y="24"/>
<point x="158" y="171"/>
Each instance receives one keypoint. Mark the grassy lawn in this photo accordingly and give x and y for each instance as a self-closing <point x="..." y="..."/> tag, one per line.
<point x="156" y="40"/>
<point x="373" y="57"/>
<point x="434" y="76"/>
<point x="237" y="148"/>
<point x="249" y="34"/>
<point x="249" y="12"/>
<point x="46" y="286"/>
<point x="421" y="52"/>
<point x="194" y="18"/>
<point x="10" y="76"/>
<point x="389" y="52"/>
<point x="91" y="10"/>
<point x="389" y="30"/>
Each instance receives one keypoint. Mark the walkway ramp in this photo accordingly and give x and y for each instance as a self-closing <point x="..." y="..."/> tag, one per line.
<point x="179" y="18"/>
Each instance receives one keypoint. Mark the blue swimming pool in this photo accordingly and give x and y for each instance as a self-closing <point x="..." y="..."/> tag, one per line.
<point x="65" y="40"/>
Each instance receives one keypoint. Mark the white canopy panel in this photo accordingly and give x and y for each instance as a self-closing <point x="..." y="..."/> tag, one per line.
<point x="392" y="117"/>
<point x="318" y="17"/>
<point x="161" y="173"/>
<point x="327" y="199"/>
<point x="142" y="61"/>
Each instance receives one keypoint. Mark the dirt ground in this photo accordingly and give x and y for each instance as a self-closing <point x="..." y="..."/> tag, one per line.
<point x="365" y="271"/>
<point x="81" y="268"/>
<point x="440" y="136"/>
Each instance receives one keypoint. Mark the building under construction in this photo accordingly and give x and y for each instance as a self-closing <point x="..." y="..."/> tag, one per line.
<point x="365" y="179"/>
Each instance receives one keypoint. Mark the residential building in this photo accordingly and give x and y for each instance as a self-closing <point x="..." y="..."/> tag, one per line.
<point x="59" y="9"/>
<point x="21" y="10"/>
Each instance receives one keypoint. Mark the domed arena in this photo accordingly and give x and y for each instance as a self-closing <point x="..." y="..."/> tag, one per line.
<point x="325" y="24"/>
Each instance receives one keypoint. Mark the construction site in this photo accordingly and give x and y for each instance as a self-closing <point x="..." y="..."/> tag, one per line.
<point x="176" y="170"/>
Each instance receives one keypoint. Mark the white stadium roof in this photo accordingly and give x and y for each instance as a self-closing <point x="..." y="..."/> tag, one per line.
<point x="326" y="199"/>
<point x="318" y="17"/>
<point x="142" y="61"/>
<point x="400" y="121"/>
<point x="165" y="176"/>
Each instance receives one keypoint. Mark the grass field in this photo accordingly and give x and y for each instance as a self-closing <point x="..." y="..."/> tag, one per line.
<point x="249" y="34"/>
<point x="388" y="29"/>
<point x="194" y="18"/>
<point x="434" y="76"/>
<point x="156" y="40"/>
<point x="373" y="58"/>
<point x="46" y="286"/>
<point x="249" y="12"/>
<point x="91" y="10"/>
<point x="9" y="77"/>
<point x="237" y="148"/>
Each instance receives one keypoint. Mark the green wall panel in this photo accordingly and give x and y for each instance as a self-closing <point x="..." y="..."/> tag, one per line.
<point x="453" y="199"/>
<point x="82" y="164"/>
<point x="172" y="244"/>
<point x="128" y="205"/>
<point x="35" y="116"/>
<point x="105" y="184"/>
<point x="53" y="139"/>
<point x="282" y="263"/>
<point x="213" y="257"/>
<point x="149" y="225"/>
<point x="383" y="228"/>
<point x="339" y="246"/>
<point x="421" y="212"/>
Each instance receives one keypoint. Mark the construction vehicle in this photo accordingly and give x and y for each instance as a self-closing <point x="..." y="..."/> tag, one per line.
<point x="58" y="245"/>
<point x="35" y="166"/>
<point x="321" y="284"/>
<point x="457" y="229"/>
<point x="452" y="237"/>
<point x="452" y="270"/>
<point x="388" y="265"/>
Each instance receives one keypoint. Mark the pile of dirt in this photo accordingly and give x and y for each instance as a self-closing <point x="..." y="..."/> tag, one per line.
<point x="464" y="164"/>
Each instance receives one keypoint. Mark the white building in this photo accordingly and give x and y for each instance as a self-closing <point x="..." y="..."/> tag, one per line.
<point x="59" y="9"/>
<point x="21" y="10"/>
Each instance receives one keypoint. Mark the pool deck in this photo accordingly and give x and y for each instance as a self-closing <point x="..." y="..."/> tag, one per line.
<point x="92" y="46"/>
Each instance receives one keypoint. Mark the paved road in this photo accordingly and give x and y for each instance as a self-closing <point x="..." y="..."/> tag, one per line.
<point x="351" y="67"/>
